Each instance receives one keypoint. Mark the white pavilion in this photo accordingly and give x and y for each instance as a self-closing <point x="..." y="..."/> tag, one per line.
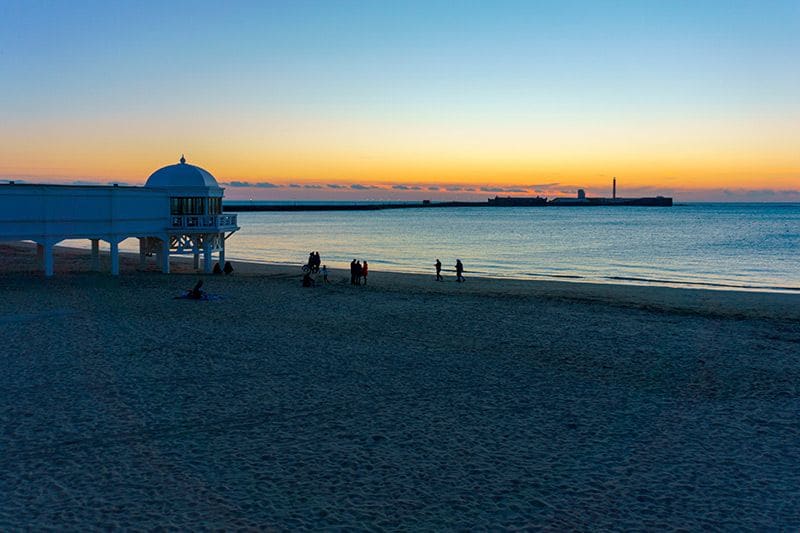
<point x="178" y="211"/>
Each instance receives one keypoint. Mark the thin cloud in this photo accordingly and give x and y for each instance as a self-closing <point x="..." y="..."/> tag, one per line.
<point x="258" y="184"/>
<point x="309" y="186"/>
<point x="501" y="189"/>
<point x="294" y="185"/>
<point x="335" y="186"/>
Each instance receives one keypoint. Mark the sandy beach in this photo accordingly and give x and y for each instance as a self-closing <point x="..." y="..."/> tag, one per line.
<point x="404" y="404"/>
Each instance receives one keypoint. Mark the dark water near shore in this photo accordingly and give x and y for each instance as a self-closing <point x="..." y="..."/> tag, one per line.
<point x="755" y="246"/>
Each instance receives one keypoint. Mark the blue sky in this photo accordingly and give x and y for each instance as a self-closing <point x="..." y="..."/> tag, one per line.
<point x="434" y="73"/>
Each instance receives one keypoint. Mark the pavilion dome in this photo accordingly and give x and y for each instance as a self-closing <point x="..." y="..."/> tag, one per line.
<point x="181" y="175"/>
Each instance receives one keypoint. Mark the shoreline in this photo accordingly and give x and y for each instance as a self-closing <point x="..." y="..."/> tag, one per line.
<point x="19" y="258"/>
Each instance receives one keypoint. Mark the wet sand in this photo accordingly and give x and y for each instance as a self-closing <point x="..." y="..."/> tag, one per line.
<point x="405" y="404"/>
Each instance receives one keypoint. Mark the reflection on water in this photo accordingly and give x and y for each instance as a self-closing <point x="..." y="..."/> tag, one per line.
<point x="740" y="245"/>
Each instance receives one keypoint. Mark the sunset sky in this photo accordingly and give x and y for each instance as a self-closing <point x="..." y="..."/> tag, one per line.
<point x="405" y="99"/>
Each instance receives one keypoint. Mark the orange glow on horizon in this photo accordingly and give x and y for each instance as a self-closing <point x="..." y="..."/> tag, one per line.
<point x="670" y="156"/>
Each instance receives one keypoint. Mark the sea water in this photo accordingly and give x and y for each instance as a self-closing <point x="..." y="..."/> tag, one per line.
<point x="747" y="246"/>
<point x="708" y="245"/>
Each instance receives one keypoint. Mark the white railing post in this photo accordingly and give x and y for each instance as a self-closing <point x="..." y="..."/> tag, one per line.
<point x="165" y="255"/>
<point x="114" y="257"/>
<point x="95" y="255"/>
<point x="207" y="258"/>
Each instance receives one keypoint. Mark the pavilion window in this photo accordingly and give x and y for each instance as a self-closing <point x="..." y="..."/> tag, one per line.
<point x="187" y="206"/>
<point x="215" y="206"/>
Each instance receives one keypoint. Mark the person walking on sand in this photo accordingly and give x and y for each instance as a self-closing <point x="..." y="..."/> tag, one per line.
<point x="353" y="272"/>
<point x="358" y="272"/>
<point x="459" y="271"/>
<point x="325" y="274"/>
<point x="438" y="265"/>
<point x="365" y="271"/>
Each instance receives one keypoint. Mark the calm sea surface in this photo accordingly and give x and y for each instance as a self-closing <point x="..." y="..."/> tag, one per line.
<point x="747" y="246"/>
<point x="754" y="246"/>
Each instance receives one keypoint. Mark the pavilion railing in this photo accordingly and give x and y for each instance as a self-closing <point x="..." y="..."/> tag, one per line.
<point x="203" y="221"/>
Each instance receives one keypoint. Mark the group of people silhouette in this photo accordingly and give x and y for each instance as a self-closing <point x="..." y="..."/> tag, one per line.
<point x="459" y="271"/>
<point x="314" y="262"/>
<point x="227" y="269"/>
<point x="313" y="267"/>
<point x="358" y="272"/>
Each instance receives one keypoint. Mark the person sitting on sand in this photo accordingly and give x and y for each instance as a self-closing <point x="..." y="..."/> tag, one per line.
<point x="459" y="271"/>
<point x="228" y="268"/>
<point x="438" y="265"/>
<point x="365" y="271"/>
<point x="217" y="270"/>
<point x="196" y="293"/>
<point x="325" y="274"/>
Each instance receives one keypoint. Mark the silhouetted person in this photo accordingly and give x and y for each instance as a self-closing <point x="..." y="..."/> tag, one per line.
<point x="364" y="272"/>
<point x="325" y="274"/>
<point x="353" y="272"/>
<point x="228" y="268"/>
<point x="459" y="271"/>
<point x="308" y="281"/>
<point x="196" y="293"/>
<point x="438" y="265"/>
<point x="358" y="272"/>
<point x="217" y="270"/>
<point x="314" y="262"/>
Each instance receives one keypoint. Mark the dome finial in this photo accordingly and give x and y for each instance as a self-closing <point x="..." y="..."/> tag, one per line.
<point x="183" y="159"/>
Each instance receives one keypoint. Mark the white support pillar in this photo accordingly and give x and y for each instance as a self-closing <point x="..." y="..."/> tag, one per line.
<point x="114" y="258"/>
<point x="48" y="259"/>
<point x="207" y="258"/>
<point x="95" y="255"/>
<point x="142" y="252"/>
<point x="164" y="255"/>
